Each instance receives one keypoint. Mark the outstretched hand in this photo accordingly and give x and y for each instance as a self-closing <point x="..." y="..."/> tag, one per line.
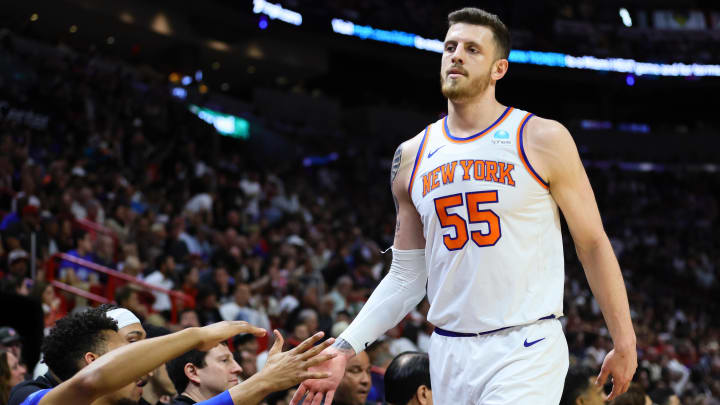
<point x="317" y="389"/>
<point x="621" y="366"/>
<point x="218" y="332"/>
<point x="286" y="369"/>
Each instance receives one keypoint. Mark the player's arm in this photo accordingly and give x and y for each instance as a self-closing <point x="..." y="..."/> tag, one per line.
<point x="553" y="153"/>
<point x="120" y="367"/>
<point x="396" y="295"/>
<point x="404" y="286"/>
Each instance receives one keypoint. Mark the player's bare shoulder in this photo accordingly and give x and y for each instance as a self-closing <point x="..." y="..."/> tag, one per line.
<point x="403" y="161"/>
<point x="548" y="144"/>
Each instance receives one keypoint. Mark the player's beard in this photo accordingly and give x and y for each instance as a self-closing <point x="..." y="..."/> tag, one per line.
<point x="464" y="89"/>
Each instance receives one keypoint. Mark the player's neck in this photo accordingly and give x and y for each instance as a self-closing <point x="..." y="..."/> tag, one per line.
<point x="150" y="393"/>
<point x="198" y="393"/>
<point x="468" y="117"/>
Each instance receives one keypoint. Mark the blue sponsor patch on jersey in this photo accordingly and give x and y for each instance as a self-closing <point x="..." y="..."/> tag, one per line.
<point x="501" y="134"/>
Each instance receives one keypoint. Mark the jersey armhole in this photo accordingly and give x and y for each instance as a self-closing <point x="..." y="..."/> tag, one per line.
<point x="418" y="158"/>
<point x="523" y="156"/>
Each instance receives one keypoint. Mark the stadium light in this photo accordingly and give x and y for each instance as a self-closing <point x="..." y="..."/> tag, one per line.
<point x="534" y="57"/>
<point x="276" y="11"/>
<point x="225" y="124"/>
<point x="625" y="15"/>
<point x="263" y="23"/>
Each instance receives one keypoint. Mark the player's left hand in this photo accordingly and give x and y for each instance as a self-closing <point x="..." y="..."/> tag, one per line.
<point x="621" y="366"/>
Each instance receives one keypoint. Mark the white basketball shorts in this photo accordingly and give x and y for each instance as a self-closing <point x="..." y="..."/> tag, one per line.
<point x="522" y="365"/>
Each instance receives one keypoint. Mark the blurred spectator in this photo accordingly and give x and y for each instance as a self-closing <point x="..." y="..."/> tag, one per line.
<point x="407" y="380"/>
<point x="189" y="319"/>
<point x="159" y="388"/>
<point x="355" y="385"/>
<point x="45" y="293"/>
<point x="127" y="297"/>
<point x="248" y="362"/>
<point x="635" y="395"/>
<point x="239" y="309"/>
<point x="162" y="277"/>
<point x="18" y="264"/>
<point x="207" y="306"/>
<point x="11" y="341"/>
<point x="12" y="373"/>
<point x="74" y="273"/>
<point x="665" y="396"/>
<point x="580" y="388"/>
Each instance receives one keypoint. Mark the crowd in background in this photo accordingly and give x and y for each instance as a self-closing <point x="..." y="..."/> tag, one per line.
<point x="296" y="248"/>
<point x="581" y="27"/>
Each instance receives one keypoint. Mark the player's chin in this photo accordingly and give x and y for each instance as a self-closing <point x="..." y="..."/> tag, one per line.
<point x="361" y="396"/>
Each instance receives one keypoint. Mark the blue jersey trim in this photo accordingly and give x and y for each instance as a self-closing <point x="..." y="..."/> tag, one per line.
<point x="35" y="397"/>
<point x="479" y="134"/>
<point x="524" y="156"/>
<point x="448" y="333"/>
<point x="223" y="398"/>
<point x="418" y="157"/>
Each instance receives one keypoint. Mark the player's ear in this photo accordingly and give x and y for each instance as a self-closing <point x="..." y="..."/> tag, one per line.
<point x="191" y="373"/>
<point x="424" y="395"/>
<point x="90" y="357"/>
<point x="499" y="69"/>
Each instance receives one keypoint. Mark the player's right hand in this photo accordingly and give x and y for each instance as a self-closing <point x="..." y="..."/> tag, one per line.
<point x="317" y="389"/>
<point x="286" y="369"/>
<point x="218" y="332"/>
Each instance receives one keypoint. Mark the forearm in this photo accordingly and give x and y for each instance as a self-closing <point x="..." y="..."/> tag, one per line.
<point x="251" y="391"/>
<point x="124" y="365"/>
<point x="603" y="273"/>
<point x="398" y="293"/>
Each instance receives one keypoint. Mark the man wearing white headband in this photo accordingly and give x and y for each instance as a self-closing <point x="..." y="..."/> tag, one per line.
<point x="129" y="325"/>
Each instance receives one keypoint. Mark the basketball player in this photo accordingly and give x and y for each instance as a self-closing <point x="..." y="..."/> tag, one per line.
<point x="477" y="196"/>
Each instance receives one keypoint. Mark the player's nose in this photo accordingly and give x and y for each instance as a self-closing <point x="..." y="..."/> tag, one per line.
<point x="237" y="370"/>
<point x="457" y="57"/>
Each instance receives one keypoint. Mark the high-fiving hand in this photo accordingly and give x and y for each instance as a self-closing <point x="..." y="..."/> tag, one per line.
<point x="218" y="332"/>
<point x="286" y="369"/>
<point x="317" y="389"/>
<point x="621" y="366"/>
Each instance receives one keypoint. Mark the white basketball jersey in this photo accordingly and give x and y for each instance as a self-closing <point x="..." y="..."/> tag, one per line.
<point x="493" y="242"/>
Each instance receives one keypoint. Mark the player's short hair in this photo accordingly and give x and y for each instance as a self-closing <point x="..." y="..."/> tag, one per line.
<point x="476" y="16"/>
<point x="577" y="382"/>
<point x="661" y="396"/>
<point x="122" y="294"/>
<point x="635" y="395"/>
<point x="405" y="374"/>
<point x="73" y="336"/>
<point x="176" y="367"/>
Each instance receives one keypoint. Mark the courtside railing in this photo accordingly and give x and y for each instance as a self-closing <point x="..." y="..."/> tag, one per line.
<point x="177" y="298"/>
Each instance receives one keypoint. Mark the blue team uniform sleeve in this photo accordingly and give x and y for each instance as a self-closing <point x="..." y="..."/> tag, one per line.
<point x="221" y="399"/>
<point x="35" y="397"/>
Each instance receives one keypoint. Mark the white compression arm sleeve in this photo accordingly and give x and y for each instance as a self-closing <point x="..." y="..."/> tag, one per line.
<point x="396" y="295"/>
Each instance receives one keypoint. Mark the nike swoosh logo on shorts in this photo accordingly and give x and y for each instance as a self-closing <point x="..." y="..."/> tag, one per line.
<point x="433" y="152"/>
<point x="528" y="344"/>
